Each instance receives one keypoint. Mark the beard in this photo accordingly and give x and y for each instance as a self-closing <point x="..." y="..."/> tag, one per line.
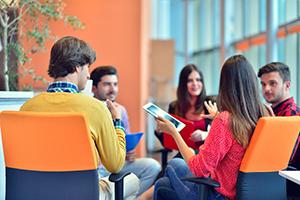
<point x="111" y="96"/>
<point x="273" y="98"/>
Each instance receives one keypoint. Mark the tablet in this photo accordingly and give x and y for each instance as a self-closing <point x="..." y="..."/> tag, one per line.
<point x="156" y="111"/>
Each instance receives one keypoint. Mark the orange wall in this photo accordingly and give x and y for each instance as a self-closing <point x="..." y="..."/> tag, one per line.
<point x="114" y="29"/>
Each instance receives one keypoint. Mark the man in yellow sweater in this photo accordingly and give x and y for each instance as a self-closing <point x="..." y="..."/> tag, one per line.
<point x="69" y="62"/>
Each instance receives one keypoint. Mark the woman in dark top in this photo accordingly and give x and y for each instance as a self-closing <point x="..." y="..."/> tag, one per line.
<point x="191" y="96"/>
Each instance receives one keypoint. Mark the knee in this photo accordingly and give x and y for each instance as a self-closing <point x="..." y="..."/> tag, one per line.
<point x="162" y="182"/>
<point x="177" y="167"/>
<point x="177" y="162"/>
<point x="156" y="167"/>
<point x="153" y="166"/>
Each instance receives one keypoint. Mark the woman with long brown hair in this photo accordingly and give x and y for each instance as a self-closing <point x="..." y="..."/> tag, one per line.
<point x="191" y="93"/>
<point x="220" y="156"/>
<point x="191" y="97"/>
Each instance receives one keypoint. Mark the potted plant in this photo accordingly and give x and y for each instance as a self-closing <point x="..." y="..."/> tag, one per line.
<point x="26" y="20"/>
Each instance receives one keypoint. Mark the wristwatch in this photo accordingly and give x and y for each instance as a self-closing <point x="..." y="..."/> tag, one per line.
<point x="117" y="122"/>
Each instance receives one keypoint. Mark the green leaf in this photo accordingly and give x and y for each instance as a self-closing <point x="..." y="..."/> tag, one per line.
<point x="32" y="19"/>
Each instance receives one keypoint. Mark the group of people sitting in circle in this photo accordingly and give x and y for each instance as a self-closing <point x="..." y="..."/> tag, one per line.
<point x="232" y="118"/>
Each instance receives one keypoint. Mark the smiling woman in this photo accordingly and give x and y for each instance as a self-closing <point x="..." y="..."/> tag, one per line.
<point x="191" y="95"/>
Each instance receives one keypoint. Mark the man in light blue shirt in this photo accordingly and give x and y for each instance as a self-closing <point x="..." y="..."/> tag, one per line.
<point x="105" y="86"/>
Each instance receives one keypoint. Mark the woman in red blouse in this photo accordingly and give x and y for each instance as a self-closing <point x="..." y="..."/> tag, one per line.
<point x="221" y="154"/>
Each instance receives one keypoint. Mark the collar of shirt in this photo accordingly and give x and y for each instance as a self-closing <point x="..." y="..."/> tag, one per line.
<point x="62" y="86"/>
<point x="286" y="108"/>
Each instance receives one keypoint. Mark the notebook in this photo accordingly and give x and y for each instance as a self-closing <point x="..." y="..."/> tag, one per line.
<point x="186" y="132"/>
<point x="132" y="140"/>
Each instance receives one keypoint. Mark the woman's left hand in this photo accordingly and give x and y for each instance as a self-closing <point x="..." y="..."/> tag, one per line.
<point x="163" y="125"/>
<point x="212" y="109"/>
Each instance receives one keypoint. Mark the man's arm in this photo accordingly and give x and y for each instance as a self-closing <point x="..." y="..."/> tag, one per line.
<point x="130" y="155"/>
<point x="111" y="142"/>
<point x="125" y="121"/>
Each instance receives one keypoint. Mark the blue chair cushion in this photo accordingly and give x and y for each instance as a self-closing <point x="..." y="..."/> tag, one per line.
<point x="36" y="185"/>
<point x="261" y="186"/>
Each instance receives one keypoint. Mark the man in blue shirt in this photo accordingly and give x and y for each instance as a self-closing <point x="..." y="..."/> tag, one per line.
<point x="105" y="86"/>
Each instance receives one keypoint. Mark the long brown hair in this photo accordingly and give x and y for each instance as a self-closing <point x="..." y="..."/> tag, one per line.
<point x="183" y="102"/>
<point x="239" y="95"/>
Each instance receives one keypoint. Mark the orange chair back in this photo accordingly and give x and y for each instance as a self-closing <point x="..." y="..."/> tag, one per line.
<point x="271" y="145"/>
<point x="46" y="141"/>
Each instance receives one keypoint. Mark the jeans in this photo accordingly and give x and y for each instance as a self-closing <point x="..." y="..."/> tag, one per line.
<point x="146" y="169"/>
<point x="170" y="187"/>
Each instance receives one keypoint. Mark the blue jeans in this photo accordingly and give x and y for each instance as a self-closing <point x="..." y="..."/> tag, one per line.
<point x="170" y="187"/>
<point x="146" y="169"/>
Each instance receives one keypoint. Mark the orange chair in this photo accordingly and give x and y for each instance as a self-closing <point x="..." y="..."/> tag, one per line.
<point x="269" y="152"/>
<point x="48" y="156"/>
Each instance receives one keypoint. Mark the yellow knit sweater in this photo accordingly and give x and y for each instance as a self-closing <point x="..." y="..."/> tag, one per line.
<point x="109" y="143"/>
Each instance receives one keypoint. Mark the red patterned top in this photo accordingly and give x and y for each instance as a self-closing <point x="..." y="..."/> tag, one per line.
<point x="287" y="108"/>
<point x="220" y="156"/>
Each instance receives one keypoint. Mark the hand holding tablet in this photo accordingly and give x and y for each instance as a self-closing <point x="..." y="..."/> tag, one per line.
<point x="157" y="111"/>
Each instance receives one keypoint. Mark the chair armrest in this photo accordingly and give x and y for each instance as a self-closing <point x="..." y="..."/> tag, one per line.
<point x="204" y="185"/>
<point x="206" y="181"/>
<point x="118" y="176"/>
<point x="118" y="179"/>
<point x="291" y="168"/>
<point x="163" y="150"/>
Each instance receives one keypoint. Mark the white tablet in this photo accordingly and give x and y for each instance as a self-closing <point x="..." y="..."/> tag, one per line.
<point x="157" y="111"/>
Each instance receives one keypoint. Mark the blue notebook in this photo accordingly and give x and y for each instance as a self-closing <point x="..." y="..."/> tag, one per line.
<point x="132" y="140"/>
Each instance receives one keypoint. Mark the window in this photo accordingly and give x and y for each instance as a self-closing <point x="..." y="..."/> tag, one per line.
<point x="291" y="60"/>
<point x="244" y="22"/>
<point x="253" y="17"/>
<point x="291" y="10"/>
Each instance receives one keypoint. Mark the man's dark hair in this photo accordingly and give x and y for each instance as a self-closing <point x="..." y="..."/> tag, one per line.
<point x="68" y="53"/>
<point x="101" y="71"/>
<point x="279" y="67"/>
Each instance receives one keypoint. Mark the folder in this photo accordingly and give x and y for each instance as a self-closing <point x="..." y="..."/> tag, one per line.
<point x="186" y="132"/>
<point x="132" y="140"/>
